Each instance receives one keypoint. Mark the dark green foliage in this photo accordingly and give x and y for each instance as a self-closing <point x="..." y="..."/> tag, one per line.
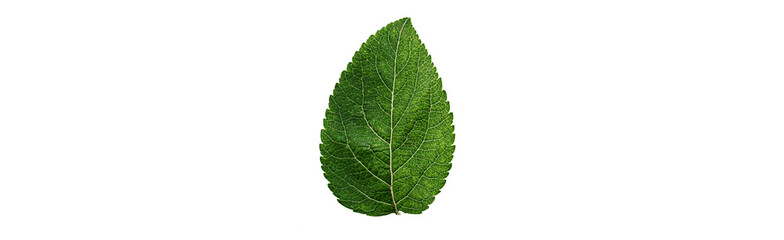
<point x="388" y="134"/>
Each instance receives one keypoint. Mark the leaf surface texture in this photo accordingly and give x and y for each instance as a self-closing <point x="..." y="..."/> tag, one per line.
<point x="388" y="137"/>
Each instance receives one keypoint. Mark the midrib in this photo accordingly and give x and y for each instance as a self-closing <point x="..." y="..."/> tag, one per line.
<point x="391" y="115"/>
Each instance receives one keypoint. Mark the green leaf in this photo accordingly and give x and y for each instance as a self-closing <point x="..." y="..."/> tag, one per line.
<point x="388" y="137"/>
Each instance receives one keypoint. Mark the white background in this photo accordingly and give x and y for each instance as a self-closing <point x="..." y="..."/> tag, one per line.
<point x="574" y="120"/>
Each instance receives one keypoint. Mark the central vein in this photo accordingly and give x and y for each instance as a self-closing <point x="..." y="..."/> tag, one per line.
<point x="391" y="115"/>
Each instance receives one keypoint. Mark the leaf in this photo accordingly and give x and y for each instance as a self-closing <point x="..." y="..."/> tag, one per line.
<point x="388" y="137"/>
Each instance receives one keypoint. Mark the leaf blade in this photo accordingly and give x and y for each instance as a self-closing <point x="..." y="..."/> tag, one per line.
<point x="389" y="115"/>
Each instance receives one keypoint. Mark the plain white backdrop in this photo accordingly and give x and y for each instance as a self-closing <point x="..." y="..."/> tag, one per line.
<point x="574" y="119"/>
